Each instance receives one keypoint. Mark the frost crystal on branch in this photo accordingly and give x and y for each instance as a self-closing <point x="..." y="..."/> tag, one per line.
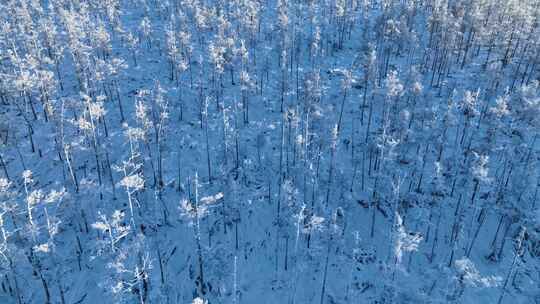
<point x="211" y="199"/>
<point x="114" y="227"/>
<point x="55" y="196"/>
<point x="35" y="197"/>
<point x="200" y="210"/>
<point x="27" y="176"/>
<point x="97" y="109"/>
<point x="42" y="248"/>
<point x="4" y="185"/>
<point x="393" y="84"/>
<point x="404" y="241"/>
<point x="501" y="107"/>
<point x="314" y="223"/>
<point x="481" y="170"/>
<point x="135" y="182"/>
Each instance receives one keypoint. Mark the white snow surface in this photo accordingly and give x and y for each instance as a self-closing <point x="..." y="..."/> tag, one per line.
<point x="244" y="179"/>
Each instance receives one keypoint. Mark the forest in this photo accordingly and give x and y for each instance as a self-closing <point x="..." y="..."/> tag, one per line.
<point x="269" y="151"/>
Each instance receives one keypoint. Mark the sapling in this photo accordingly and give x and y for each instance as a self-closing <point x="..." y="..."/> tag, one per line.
<point x="518" y="253"/>
<point x="403" y="242"/>
<point x="113" y="226"/>
<point x="148" y="121"/>
<point x="187" y="49"/>
<point x="336" y="229"/>
<point x="54" y="197"/>
<point x="480" y="174"/>
<point x="333" y="147"/>
<point x="469" y="110"/>
<point x="312" y="223"/>
<point x="145" y="29"/>
<point x="386" y="145"/>
<point x="69" y="161"/>
<point x="5" y="194"/>
<point x="132" y="44"/>
<point x="394" y="90"/>
<point x="245" y="87"/>
<point x="8" y="207"/>
<point x="468" y="274"/>
<point x="32" y="197"/>
<point x="131" y="265"/>
<point x="195" y="211"/>
<point x="396" y="184"/>
<point x="66" y="148"/>
<point x="246" y="83"/>
<point x="456" y="230"/>
<point x="346" y="85"/>
<point x="205" y="116"/>
<point x="115" y="67"/>
<point x="48" y="248"/>
<point x="160" y="117"/>
<point x="300" y="217"/>
<point x="417" y="91"/>
<point x="172" y="47"/>
<point x="217" y="50"/>
<point x="94" y="111"/>
<point x="369" y="64"/>
<point x="132" y="182"/>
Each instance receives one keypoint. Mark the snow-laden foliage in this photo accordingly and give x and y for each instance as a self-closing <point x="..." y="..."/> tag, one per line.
<point x="405" y="241"/>
<point x="472" y="276"/>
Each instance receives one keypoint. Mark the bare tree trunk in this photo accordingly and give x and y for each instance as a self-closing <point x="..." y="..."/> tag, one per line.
<point x="4" y="167"/>
<point x="325" y="272"/>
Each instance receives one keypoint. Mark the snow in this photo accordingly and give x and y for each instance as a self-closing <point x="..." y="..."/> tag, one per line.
<point x="269" y="152"/>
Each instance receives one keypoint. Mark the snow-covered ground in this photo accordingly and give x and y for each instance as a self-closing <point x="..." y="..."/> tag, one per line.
<point x="248" y="151"/>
